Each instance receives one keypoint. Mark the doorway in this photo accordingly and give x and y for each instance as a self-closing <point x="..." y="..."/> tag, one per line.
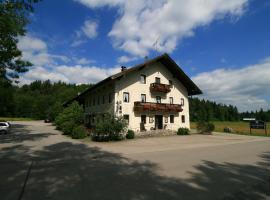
<point x="158" y="121"/>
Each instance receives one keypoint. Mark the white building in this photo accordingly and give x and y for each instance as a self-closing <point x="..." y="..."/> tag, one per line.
<point x="152" y="95"/>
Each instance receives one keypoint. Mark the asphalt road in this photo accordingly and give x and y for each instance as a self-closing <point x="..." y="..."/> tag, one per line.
<point x="37" y="162"/>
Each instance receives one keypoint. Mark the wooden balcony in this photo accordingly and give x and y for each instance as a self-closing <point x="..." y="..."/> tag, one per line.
<point x="163" y="107"/>
<point x="158" y="87"/>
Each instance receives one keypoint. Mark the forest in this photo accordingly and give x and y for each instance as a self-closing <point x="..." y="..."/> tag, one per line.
<point x="37" y="100"/>
<point x="43" y="99"/>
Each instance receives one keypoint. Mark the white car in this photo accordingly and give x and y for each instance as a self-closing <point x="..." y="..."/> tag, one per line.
<point x="4" y="127"/>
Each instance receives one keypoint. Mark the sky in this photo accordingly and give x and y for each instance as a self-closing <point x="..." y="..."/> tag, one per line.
<point x="223" y="45"/>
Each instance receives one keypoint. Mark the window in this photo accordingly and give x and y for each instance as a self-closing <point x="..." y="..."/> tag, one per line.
<point x="171" y="119"/>
<point x="166" y="119"/>
<point x="143" y="119"/>
<point x="183" y="119"/>
<point x="103" y="99"/>
<point x="143" y="79"/>
<point x="98" y="101"/>
<point x="158" y="99"/>
<point x="126" y="97"/>
<point x="157" y="80"/>
<point x="143" y="97"/>
<point x="94" y="101"/>
<point x="110" y="98"/>
<point x="182" y="101"/>
<point x="90" y="102"/>
<point x="171" y="100"/>
<point x="93" y="118"/>
<point x="170" y="83"/>
<point x="126" y="117"/>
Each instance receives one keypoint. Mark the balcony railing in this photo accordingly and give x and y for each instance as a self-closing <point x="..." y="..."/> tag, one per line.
<point x="165" y="107"/>
<point x="158" y="87"/>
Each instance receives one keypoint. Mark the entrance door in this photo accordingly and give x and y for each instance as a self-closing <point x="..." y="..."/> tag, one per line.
<point x="158" y="121"/>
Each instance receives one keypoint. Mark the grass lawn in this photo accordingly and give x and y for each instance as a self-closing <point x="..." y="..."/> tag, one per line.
<point x="15" y="119"/>
<point x="238" y="127"/>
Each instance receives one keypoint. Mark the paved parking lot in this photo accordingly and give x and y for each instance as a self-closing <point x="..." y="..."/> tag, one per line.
<point x="37" y="162"/>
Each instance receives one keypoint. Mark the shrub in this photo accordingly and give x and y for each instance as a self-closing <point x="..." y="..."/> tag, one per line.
<point x="73" y="113"/>
<point x="67" y="127"/>
<point x="110" y="128"/>
<point x="79" y="132"/>
<point x="205" y="127"/>
<point x="183" y="131"/>
<point x="69" y="118"/>
<point x="130" y="134"/>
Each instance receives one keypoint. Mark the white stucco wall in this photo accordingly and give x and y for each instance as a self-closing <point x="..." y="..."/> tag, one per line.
<point x="131" y="84"/>
<point x="98" y="93"/>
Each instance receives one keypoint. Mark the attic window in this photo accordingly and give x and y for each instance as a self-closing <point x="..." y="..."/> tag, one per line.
<point x="126" y="97"/>
<point x="143" y="79"/>
<point x="157" y="80"/>
<point x="182" y="102"/>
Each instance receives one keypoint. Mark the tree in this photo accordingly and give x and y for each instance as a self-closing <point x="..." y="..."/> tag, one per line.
<point x="13" y="19"/>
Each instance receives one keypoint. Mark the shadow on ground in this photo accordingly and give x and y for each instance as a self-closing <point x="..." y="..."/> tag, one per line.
<point x="20" y="133"/>
<point x="76" y="171"/>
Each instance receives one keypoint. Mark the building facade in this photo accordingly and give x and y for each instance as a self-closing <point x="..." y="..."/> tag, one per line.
<point x="150" y="96"/>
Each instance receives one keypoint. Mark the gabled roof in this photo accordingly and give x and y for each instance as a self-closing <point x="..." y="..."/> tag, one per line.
<point x="166" y="60"/>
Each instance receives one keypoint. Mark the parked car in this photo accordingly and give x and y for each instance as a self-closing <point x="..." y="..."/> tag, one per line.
<point x="4" y="127"/>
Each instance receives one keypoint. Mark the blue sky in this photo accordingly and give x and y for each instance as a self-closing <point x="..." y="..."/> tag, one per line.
<point x="223" y="45"/>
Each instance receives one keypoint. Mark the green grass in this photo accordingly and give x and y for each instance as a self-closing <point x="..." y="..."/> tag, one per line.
<point x="15" y="119"/>
<point x="238" y="127"/>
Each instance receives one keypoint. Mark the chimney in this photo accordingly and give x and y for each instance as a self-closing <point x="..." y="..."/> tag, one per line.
<point x="123" y="68"/>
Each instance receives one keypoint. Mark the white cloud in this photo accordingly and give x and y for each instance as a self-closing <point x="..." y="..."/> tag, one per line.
<point x="35" y="50"/>
<point x="84" y="61"/>
<point x="70" y="74"/>
<point x="88" y="30"/>
<point x="126" y="59"/>
<point x="28" y="43"/>
<point x="247" y="88"/>
<point x="143" y="23"/>
<point x="46" y="65"/>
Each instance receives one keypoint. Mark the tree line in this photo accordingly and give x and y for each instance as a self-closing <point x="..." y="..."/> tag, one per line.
<point x="43" y="99"/>
<point x="205" y="110"/>
<point x="38" y="100"/>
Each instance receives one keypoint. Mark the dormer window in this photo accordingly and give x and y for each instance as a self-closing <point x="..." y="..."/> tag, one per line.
<point x="126" y="97"/>
<point x="171" y="100"/>
<point x="143" y="79"/>
<point x="182" y="102"/>
<point x="157" y="80"/>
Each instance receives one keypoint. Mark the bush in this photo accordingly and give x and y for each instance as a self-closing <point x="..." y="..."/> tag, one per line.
<point x="183" y="131"/>
<point x="110" y="128"/>
<point x="79" y="132"/>
<point x="73" y="113"/>
<point x="205" y="127"/>
<point x="67" y="127"/>
<point x="130" y="134"/>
